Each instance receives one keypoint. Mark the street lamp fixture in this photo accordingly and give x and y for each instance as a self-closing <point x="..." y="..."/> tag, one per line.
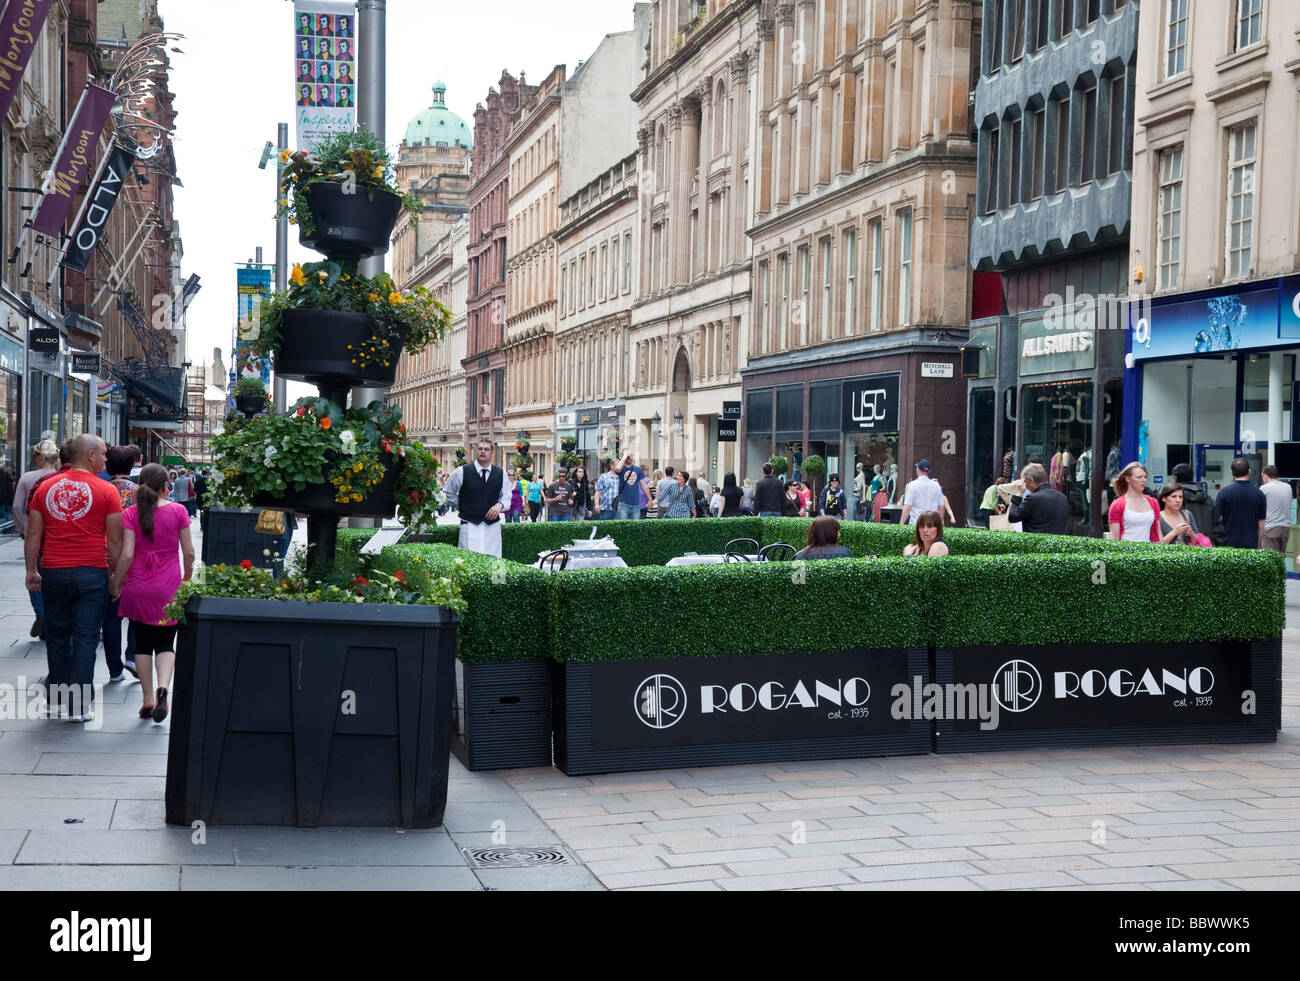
<point x="677" y="422"/>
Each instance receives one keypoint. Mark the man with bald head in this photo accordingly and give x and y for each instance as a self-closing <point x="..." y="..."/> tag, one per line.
<point x="74" y="527"/>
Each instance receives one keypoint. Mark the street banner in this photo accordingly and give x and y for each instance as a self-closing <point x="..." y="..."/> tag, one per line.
<point x="74" y="161"/>
<point x="324" y="69"/>
<point x="253" y="286"/>
<point x="20" y="27"/>
<point x="98" y="206"/>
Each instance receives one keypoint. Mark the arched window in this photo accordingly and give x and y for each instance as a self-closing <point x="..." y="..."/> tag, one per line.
<point x="721" y="129"/>
<point x="681" y="372"/>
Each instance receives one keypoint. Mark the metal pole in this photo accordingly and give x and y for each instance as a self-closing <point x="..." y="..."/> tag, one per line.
<point x="279" y="389"/>
<point x="371" y="103"/>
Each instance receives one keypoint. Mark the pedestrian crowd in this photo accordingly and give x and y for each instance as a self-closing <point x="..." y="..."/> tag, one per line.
<point x="106" y="539"/>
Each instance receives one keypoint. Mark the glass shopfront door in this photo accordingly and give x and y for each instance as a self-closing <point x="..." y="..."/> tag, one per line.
<point x="1056" y="430"/>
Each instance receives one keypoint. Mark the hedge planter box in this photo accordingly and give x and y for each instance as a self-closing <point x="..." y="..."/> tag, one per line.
<point x="309" y="714"/>
<point x="229" y="538"/>
<point x="618" y="716"/>
<point x="502" y="714"/>
<point x="1115" y="694"/>
<point x="350" y="226"/>
<point x="379" y="503"/>
<point x="319" y="347"/>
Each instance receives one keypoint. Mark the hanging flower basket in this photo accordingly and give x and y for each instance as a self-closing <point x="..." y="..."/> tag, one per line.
<point x="337" y="346"/>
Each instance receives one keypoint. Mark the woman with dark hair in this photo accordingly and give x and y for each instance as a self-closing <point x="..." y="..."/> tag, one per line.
<point x="824" y="541"/>
<point x="1177" y="526"/>
<point x="927" y="539"/>
<point x="791" y="503"/>
<point x="147" y="576"/>
<point x="580" y="501"/>
<point x="120" y="460"/>
<point x="677" y="500"/>
<point x="731" y="497"/>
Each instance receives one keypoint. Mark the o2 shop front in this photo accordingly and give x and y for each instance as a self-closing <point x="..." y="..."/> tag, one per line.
<point x="1212" y="375"/>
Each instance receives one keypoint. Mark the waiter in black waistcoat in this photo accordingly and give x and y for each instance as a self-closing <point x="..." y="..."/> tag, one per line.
<point x="480" y="494"/>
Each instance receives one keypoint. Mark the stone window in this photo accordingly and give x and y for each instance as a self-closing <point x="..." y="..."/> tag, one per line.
<point x="850" y="279"/>
<point x="1170" y="232"/>
<point x="824" y="314"/>
<point x="1241" y="199"/>
<point x="1250" y="20"/>
<point x="877" y="273"/>
<point x="1037" y="121"/>
<point x="1175" y="37"/>
<point x="905" y="267"/>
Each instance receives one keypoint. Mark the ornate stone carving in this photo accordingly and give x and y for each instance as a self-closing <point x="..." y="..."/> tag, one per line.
<point x="676" y="113"/>
<point x="785" y="14"/>
<point x="704" y="91"/>
<point x="737" y="65"/>
<point x="767" y="30"/>
<point x="644" y="137"/>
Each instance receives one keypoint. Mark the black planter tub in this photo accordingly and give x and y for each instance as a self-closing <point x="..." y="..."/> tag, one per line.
<point x="378" y="503"/>
<point x="502" y="714"/>
<point x="311" y="714"/>
<point x="318" y="347"/>
<point x="230" y="536"/>
<point x="250" y="405"/>
<point x="350" y="226"/>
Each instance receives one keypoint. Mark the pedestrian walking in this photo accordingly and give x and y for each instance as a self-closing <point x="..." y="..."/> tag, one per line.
<point x="921" y="494"/>
<point x="1196" y="501"/>
<point x="746" y="496"/>
<point x="607" y="492"/>
<point x="480" y="494"/>
<point x="1132" y="515"/>
<point x="517" y="492"/>
<point x="45" y="461"/>
<point x="733" y="498"/>
<point x="1242" y="509"/>
<point x="1277" y="517"/>
<point x="74" y="530"/>
<point x="1177" y="526"/>
<point x="634" y="496"/>
<point x="791" y="504"/>
<point x="662" y="483"/>
<point x="769" y="494"/>
<point x="119" y="462"/>
<point x="583" y="500"/>
<point x="183" y="492"/>
<point x="700" y="487"/>
<point x="535" y="499"/>
<point x="835" y="502"/>
<point x="677" y="500"/>
<point x="155" y="541"/>
<point x="559" y="496"/>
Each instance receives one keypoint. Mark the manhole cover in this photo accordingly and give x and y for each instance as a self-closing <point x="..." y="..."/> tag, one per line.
<point x="518" y="858"/>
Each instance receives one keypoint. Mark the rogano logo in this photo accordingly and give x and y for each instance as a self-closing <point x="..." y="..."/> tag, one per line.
<point x="660" y="701"/>
<point x="1017" y="686"/>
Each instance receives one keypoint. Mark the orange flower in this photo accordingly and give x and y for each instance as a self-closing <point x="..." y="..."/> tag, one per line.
<point x="325" y="423"/>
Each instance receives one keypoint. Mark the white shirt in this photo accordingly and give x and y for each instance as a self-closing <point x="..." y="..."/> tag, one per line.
<point x="1137" y="525"/>
<point x="923" y="494"/>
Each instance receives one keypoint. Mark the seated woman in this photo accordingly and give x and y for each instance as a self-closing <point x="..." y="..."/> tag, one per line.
<point x="928" y="537"/>
<point x="824" y="541"/>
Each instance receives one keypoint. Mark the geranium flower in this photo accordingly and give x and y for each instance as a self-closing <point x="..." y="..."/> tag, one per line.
<point x="362" y="581"/>
<point x="325" y="423"/>
<point x="246" y="564"/>
<point x="301" y="410"/>
<point x="399" y="575"/>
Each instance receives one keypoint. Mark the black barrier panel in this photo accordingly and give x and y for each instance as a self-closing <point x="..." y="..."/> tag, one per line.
<point x="654" y="713"/>
<point x="686" y="701"/>
<point x="1104" y="694"/>
<point x="501" y="717"/>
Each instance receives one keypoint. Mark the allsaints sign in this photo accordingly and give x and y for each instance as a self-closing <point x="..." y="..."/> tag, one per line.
<point x="99" y="205"/>
<point x="871" y="404"/>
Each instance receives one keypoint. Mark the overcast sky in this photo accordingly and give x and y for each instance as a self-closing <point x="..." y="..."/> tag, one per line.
<point x="234" y="83"/>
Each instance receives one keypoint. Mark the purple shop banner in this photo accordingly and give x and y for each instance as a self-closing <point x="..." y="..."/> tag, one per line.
<point x="20" y="27"/>
<point x="76" y="160"/>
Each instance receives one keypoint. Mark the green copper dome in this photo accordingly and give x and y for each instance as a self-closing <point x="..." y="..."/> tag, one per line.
<point x="438" y="124"/>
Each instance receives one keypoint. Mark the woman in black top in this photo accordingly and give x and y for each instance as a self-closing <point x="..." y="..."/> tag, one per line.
<point x="731" y="497"/>
<point x="701" y="499"/>
<point x="581" y="499"/>
<point x="824" y="541"/>
<point x="790" y="503"/>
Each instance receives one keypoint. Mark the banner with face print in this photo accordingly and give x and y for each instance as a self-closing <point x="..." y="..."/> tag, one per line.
<point x="324" y="69"/>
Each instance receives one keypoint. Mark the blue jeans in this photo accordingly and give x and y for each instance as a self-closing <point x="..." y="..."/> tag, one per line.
<point x="512" y="517"/>
<point x="75" y="603"/>
<point x="38" y="603"/>
<point x="558" y="517"/>
<point x="769" y="514"/>
<point x="627" y="512"/>
<point x="608" y="514"/>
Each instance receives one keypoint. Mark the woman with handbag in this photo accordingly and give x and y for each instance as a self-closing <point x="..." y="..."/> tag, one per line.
<point x="1177" y="526"/>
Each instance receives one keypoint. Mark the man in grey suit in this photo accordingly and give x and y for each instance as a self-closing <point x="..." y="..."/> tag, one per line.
<point x="1041" y="508"/>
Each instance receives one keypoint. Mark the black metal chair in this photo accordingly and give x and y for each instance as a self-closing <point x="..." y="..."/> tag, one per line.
<point x="739" y="557"/>
<point x="560" y="554"/>
<point x="735" y="546"/>
<point x="777" y="552"/>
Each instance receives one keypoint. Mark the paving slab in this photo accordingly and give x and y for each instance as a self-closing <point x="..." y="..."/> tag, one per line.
<point x="341" y="878"/>
<point x="90" y="878"/>
<point x="84" y="846"/>
<point x="343" y="846"/>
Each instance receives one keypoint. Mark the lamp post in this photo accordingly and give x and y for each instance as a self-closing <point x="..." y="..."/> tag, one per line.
<point x="656" y="421"/>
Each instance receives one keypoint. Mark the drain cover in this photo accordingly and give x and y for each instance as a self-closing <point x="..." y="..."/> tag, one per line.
<point x="518" y="858"/>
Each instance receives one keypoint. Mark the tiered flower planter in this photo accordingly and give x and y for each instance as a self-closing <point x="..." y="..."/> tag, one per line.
<point x="308" y="714"/>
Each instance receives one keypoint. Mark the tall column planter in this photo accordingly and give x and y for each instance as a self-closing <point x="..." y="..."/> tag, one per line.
<point x="310" y="714"/>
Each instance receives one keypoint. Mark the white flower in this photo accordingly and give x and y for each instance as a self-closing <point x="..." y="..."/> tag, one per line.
<point x="348" y="439"/>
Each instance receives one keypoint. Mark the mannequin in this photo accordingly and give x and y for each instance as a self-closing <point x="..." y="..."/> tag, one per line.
<point x="1083" y="474"/>
<point x="860" y="492"/>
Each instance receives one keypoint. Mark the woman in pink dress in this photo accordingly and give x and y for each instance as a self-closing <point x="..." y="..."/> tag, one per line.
<point x="147" y="576"/>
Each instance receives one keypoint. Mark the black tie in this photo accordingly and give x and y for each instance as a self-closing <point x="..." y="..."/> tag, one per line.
<point x="483" y="474"/>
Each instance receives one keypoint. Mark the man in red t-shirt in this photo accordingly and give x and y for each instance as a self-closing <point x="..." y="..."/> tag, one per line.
<point x="74" y="527"/>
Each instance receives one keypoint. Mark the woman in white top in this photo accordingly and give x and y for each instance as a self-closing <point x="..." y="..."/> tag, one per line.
<point x="1133" y="515"/>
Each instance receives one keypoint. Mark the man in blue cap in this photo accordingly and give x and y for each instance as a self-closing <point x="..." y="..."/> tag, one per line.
<point x="920" y="495"/>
